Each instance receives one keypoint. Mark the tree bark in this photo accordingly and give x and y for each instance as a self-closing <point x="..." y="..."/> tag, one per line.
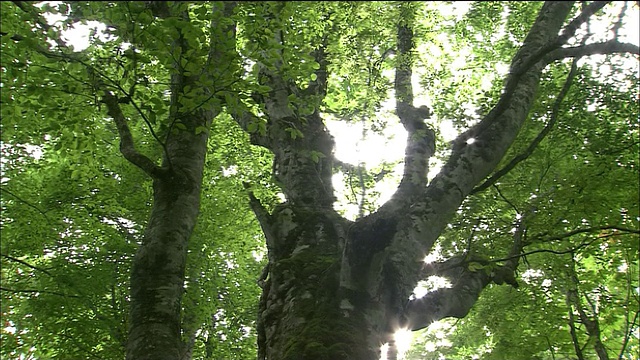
<point x="158" y="270"/>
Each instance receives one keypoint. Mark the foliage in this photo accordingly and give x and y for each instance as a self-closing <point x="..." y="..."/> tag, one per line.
<point x="73" y="209"/>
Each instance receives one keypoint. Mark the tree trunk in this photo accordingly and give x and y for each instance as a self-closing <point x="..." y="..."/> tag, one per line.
<point x="158" y="269"/>
<point x="338" y="289"/>
<point x="303" y="314"/>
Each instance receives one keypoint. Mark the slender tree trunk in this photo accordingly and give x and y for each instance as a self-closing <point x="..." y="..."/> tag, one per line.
<point x="158" y="269"/>
<point x="591" y="323"/>
<point x="572" y="328"/>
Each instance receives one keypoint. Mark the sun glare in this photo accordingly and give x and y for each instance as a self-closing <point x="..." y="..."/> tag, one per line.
<point x="404" y="338"/>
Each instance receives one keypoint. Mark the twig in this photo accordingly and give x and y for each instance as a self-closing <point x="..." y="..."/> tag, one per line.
<point x="34" y="291"/>
<point x="26" y="264"/>
<point x="27" y="203"/>
<point x="569" y="234"/>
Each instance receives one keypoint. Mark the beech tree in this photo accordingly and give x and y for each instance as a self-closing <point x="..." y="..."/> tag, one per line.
<point x="173" y="82"/>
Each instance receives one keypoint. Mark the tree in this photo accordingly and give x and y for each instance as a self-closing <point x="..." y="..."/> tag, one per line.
<point x="333" y="288"/>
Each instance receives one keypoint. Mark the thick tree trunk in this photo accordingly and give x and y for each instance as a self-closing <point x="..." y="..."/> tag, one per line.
<point x="338" y="289"/>
<point x="307" y="311"/>
<point x="158" y="269"/>
<point x="302" y="313"/>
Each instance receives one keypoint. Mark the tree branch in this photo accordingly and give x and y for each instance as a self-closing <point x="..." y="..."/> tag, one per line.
<point x="468" y="284"/>
<point x="319" y="85"/>
<point x="455" y="301"/>
<point x="250" y="124"/>
<point x="421" y="139"/>
<point x="127" y="147"/>
<point x="26" y="264"/>
<point x="126" y="142"/>
<point x="495" y="133"/>
<point x="534" y="144"/>
<point x="526" y="58"/>
<point x="591" y="229"/>
<point x="569" y="234"/>
<point x="608" y="47"/>
<point x="264" y="219"/>
<point x="630" y="326"/>
<point x="567" y="32"/>
<point x="34" y="291"/>
<point x="26" y="203"/>
<point x="35" y="14"/>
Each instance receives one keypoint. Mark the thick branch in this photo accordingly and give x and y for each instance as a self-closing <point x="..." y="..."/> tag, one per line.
<point x="318" y="86"/>
<point x="127" y="147"/>
<point x="534" y="144"/>
<point x="455" y="301"/>
<point x="250" y="124"/>
<point x="506" y="118"/>
<point x="261" y="214"/>
<point x="421" y="139"/>
<point x="568" y="32"/>
<point x="470" y="162"/>
<point x="529" y="56"/>
<point x="609" y="47"/>
<point x="574" y="25"/>
<point x="467" y="284"/>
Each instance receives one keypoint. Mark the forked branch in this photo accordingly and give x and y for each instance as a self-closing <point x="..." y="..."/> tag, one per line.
<point x="534" y="144"/>
<point x="126" y="140"/>
<point x="421" y="139"/>
<point x="127" y="146"/>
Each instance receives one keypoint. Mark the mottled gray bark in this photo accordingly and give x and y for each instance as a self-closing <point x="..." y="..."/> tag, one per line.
<point x="158" y="269"/>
